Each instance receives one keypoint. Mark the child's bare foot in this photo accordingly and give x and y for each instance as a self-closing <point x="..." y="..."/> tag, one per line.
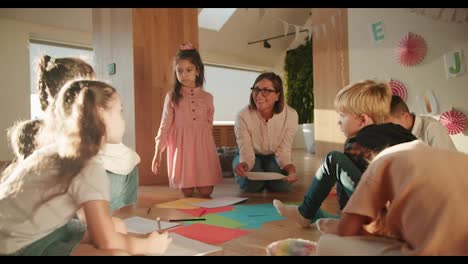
<point x="205" y="191"/>
<point x="291" y="212"/>
<point x="188" y="192"/>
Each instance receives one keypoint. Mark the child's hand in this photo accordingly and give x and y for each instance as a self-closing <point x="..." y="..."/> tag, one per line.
<point x="158" y="243"/>
<point x="291" y="178"/>
<point x="156" y="163"/>
<point x="291" y="170"/>
<point x="241" y="169"/>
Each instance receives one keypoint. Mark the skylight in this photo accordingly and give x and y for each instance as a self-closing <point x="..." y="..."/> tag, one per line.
<point x="214" y="18"/>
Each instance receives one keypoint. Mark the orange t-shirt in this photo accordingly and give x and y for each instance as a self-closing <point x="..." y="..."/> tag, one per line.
<point x="425" y="192"/>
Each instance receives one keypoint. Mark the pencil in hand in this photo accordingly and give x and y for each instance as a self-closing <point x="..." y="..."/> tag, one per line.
<point x="158" y="220"/>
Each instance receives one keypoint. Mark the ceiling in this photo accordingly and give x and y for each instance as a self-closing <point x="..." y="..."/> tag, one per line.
<point x="68" y="18"/>
<point x="244" y="26"/>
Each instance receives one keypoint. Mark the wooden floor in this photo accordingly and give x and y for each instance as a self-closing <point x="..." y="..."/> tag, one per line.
<point x="256" y="242"/>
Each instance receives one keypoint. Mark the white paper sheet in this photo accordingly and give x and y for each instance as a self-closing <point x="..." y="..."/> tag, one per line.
<point x="264" y="176"/>
<point x="220" y="202"/>
<point x="183" y="246"/>
<point x="140" y="225"/>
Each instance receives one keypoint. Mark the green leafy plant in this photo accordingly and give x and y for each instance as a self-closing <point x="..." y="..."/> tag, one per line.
<point x="299" y="81"/>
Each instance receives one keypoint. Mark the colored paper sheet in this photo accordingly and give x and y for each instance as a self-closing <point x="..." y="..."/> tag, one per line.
<point x="250" y="221"/>
<point x="257" y="209"/>
<point x="219" y="220"/>
<point x="253" y="216"/>
<point x="220" y="202"/>
<point x="140" y="225"/>
<point x="183" y="246"/>
<point x="209" y="233"/>
<point x="206" y="211"/>
<point x="186" y="203"/>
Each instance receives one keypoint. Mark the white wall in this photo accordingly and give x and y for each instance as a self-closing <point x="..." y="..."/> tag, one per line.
<point x="15" y="69"/>
<point x="113" y="43"/>
<point x="378" y="61"/>
<point x="230" y="89"/>
<point x="233" y="61"/>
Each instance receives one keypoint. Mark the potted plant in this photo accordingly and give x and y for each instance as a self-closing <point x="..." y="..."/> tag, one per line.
<point x="300" y="89"/>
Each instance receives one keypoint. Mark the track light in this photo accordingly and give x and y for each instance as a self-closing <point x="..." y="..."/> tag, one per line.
<point x="267" y="45"/>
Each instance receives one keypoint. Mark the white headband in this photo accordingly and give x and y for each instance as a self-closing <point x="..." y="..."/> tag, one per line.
<point x="51" y="64"/>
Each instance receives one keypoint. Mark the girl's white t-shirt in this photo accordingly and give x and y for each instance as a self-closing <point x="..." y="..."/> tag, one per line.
<point x="20" y="225"/>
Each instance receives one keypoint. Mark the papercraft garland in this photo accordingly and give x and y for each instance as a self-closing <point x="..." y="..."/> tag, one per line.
<point x="398" y="88"/>
<point x="411" y="50"/>
<point x="455" y="121"/>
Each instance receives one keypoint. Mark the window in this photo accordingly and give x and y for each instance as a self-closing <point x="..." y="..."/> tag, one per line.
<point x="214" y="18"/>
<point x="230" y="88"/>
<point x="38" y="48"/>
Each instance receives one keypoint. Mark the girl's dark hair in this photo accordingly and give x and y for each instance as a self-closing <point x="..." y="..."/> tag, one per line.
<point x="74" y="124"/>
<point x="22" y="137"/>
<point x="277" y="84"/>
<point x="23" y="141"/>
<point x="193" y="56"/>
<point x="398" y="106"/>
<point x="53" y="73"/>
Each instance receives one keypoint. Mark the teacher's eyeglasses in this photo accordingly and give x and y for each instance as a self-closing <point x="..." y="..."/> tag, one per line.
<point x="265" y="91"/>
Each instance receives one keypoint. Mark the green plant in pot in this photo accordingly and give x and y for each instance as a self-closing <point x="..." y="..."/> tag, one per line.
<point x="300" y="88"/>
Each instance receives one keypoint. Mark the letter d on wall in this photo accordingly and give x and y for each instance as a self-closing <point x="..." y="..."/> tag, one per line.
<point x="454" y="63"/>
<point x="377" y="32"/>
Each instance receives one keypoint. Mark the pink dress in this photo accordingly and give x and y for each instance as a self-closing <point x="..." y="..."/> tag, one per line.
<point x="187" y="131"/>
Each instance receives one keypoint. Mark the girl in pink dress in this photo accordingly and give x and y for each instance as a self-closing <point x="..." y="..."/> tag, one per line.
<point x="186" y="129"/>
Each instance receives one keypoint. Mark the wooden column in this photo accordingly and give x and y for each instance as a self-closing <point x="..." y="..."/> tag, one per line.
<point x="331" y="73"/>
<point x="157" y="34"/>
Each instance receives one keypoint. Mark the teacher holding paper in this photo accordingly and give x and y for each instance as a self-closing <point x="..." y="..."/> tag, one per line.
<point x="265" y="130"/>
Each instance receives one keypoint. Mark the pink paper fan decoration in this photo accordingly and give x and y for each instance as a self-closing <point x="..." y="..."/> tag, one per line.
<point x="411" y="50"/>
<point x="455" y="121"/>
<point x="398" y="88"/>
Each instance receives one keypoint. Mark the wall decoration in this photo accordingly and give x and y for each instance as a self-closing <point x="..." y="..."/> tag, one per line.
<point x="455" y="121"/>
<point x="411" y="50"/>
<point x="398" y="88"/>
<point x="454" y="63"/>
<point x="454" y="15"/>
<point x="377" y="31"/>
<point x="428" y="103"/>
<point x="313" y="30"/>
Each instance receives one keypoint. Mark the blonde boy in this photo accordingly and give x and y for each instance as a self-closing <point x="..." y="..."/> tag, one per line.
<point x="358" y="105"/>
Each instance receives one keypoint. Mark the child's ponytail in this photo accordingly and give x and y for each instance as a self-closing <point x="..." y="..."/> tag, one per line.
<point x="74" y="124"/>
<point x="42" y="85"/>
<point x="53" y="73"/>
<point x="90" y="124"/>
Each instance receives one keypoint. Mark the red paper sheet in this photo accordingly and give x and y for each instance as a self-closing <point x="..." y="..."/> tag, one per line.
<point x="204" y="211"/>
<point x="209" y="233"/>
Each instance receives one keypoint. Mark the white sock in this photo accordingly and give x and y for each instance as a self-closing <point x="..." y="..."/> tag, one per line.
<point x="291" y="212"/>
<point x="327" y="225"/>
